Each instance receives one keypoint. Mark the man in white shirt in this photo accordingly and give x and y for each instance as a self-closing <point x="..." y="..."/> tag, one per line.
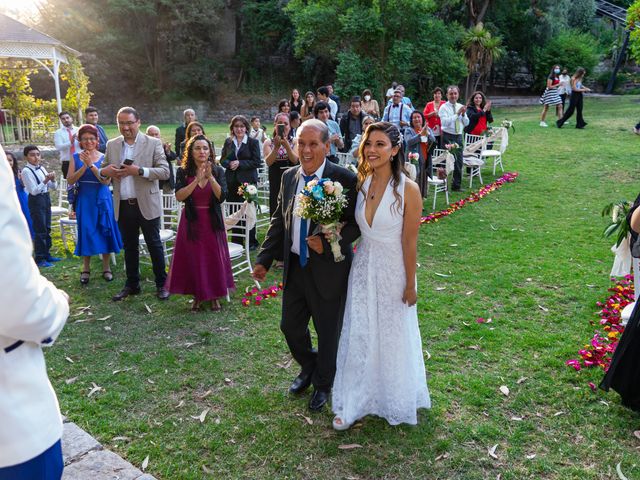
<point x="65" y="140"/>
<point x="34" y="314"/>
<point x="323" y="96"/>
<point x="453" y="117"/>
<point x="390" y="91"/>
<point x="397" y="112"/>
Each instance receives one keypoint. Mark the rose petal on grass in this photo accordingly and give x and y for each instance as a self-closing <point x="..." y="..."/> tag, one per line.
<point x="151" y="381"/>
<point x="145" y="463"/>
<point x="349" y="446"/>
<point x="492" y="451"/>
<point x="619" y="472"/>
<point x="504" y="390"/>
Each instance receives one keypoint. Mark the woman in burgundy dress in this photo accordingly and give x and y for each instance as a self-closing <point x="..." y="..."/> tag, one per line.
<point x="201" y="265"/>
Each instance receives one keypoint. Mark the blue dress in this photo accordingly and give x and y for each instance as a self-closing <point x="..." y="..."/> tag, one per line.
<point x="23" y="198"/>
<point x="97" y="228"/>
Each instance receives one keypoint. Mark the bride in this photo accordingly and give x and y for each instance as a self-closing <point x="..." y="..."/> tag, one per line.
<point x="380" y="368"/>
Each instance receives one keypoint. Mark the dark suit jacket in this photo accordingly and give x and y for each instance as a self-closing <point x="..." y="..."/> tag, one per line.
<point x="249" y="158"/>
<point x="345" y="123"/>
<point x="330" y="276"/>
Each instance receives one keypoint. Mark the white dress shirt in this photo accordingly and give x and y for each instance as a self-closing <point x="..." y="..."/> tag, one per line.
<point x="295" y="236"/>
<point x="33" y="186"/>
<point x="238" y="145"/>
<point x="62" y="143"/>
<point x="333" y="108"/>
<point x="452" y="123"/>
<point x="127" y="188"/>
<point x="34" y="312"/>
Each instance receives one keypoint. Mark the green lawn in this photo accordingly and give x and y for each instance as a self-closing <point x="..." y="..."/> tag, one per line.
<point x="529" y="256"/>
<point x="215" y="131"/>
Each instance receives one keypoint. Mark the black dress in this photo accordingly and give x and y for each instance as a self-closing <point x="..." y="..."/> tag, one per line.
<point x="624" y="372"/>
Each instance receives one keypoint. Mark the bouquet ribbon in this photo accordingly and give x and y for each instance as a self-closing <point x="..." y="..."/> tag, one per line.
<point x="332" y="231"/>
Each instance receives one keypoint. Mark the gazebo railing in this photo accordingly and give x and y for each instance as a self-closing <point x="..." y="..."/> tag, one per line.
<point x="13" y="130"/>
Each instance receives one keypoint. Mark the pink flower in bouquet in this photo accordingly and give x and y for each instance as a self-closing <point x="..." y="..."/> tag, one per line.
<point x="329" y="188"/>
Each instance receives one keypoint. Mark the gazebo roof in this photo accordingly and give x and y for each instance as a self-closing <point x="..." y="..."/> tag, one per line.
<point x="17" y="40"/>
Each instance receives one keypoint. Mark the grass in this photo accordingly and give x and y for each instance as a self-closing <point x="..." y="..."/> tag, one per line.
<point x="215" y="131"/>
<point x="529" y="256"/>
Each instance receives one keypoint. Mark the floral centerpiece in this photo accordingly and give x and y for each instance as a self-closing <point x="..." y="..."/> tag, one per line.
<point x="508" y="124"/>
<point x="618" y="212"/>
<point x="452" y="148"/>
<point x="323" y="201"/>
<point x="249" y="192"/>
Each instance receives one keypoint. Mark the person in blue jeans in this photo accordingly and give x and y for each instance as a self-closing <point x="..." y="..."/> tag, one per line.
<point x="38" y="183"/>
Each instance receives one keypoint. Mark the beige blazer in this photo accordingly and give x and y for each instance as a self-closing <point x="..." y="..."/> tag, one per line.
<point x="148" y="153"/>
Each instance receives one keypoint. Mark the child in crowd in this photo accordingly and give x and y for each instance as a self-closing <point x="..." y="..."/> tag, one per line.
<point x="38" y="183"/>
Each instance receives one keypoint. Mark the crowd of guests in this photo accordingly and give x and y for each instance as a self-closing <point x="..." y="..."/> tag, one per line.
<point x="561" y="86"/>
<point x="115" y="185"/>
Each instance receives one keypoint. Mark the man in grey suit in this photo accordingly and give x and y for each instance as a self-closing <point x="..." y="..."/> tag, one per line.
<point x="136" y="162"/>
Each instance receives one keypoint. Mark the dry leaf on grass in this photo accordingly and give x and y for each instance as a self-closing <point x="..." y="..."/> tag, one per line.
<point x="453" y="245"/>
<point x="202" y="416"/>
<point x="207" y="470"/>
<point x="180" y="404"/>
<point x="286" y="364"/>
<point x="349" y="446"/>
<point x="108" y="329"/>
<point x="516" y="419"/>
<point x="619" y="471"/>
<point x="557" y="414"/>
<point x="442" y="456"/>
<point x="441" y="274"/>
<point x="522" y="380"/>
<point x="469" y="292"/>
<point x="439" y="289"/>
<point x="120" y="439"/>
<point x="105" y="318"/>
<point x="69" y="381"/>
<point x="306" y="419"/>
<point x="228" y="381"/>
<point x="531" y="456"/>
<point x="637" y="434"/>
<point x="95" y="389"/>
<point x="120" y="371"/>
<point x="148" y="308"/>
<point x="504" y="390"/>
<point x="544" y="309"/>
<point x="145" y="463"/>
<point x="205" y="395"/>
<point x="492" y="451"/>
<point x="151" y="381"/>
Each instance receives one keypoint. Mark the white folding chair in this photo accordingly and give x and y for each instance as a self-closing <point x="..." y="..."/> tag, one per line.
<point x="495" y="154"/>
<point x="262" y="206"/>
<point x="473" y="161"/>
<point x="238" y="252"/>
<point x="62" y="207"/>
<point x="438" y="184"/>
<point x="343" y="158"/>
<point x="68" y="230"/>
<point x="168" y="228"/>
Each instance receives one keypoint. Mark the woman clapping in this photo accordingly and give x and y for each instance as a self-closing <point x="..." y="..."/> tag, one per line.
<point x="201" y="265"/>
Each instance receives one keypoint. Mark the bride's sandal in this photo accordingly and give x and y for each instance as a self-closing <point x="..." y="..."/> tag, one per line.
<point x="340" y="425"/>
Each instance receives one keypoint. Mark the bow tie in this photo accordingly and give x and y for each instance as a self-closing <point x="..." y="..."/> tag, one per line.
<point x="38" y="167"/>
<point x="395" y="105"/>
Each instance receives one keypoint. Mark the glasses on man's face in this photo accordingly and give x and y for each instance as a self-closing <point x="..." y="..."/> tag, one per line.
<point x="127" y="124"/>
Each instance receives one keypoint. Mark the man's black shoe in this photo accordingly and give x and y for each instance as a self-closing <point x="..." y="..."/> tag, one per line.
<point x="318" y="399"/>
<point x="301" y="383"/>
<point x="125" y="292"/>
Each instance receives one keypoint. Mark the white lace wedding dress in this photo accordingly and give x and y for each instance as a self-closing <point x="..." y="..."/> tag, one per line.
<point x="380" y="367"/>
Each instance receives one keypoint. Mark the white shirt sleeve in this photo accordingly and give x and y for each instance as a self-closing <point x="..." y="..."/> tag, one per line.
<point x="30" y="184"/>
<point x="38" y="309"/>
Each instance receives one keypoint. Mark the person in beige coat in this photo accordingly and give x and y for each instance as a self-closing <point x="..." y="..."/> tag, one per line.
<point x="33" y="314"/>
<point x="136" y="163"/>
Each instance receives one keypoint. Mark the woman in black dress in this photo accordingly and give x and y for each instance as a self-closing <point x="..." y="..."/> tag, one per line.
<point x="624" y="372"/>
<point x="296" y="102"/>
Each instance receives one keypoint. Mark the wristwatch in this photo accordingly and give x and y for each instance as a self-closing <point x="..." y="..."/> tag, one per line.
<point x="141" y="171"/>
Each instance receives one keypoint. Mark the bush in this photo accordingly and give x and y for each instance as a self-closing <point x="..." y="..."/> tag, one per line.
<point x="571" y="50"/>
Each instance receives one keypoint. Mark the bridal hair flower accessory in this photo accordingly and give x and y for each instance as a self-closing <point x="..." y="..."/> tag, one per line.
<point x="485" y="190"/>
<point x="599" y="351"/>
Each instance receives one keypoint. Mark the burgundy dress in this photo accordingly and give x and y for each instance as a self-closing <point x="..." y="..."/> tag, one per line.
<point x="201" y="265"/>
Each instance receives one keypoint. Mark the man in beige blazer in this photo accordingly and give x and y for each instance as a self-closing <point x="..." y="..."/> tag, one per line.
<point x="136" y="162"/>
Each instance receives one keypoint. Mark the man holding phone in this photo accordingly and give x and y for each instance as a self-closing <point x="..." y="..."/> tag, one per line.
<point x="453" y="117"/>
<point x="136" y="162"/>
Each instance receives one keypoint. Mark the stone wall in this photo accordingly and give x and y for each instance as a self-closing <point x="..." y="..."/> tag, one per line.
<point x="172" y="113"/>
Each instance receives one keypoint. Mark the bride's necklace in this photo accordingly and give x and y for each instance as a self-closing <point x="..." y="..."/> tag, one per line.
<point x="373" y="194"/>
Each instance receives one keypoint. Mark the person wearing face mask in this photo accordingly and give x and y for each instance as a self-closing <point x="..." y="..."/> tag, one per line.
<point x="565" y="87"/>
<point x="369" y="104"/>
<point x="551" y="95"/>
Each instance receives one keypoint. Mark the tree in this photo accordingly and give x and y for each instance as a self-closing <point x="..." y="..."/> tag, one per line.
<point x="481" y="50"/>
<point x="633" y="24"/>
<point x="78" y="95"/>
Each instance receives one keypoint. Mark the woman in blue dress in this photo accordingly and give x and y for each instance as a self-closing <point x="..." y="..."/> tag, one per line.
<point x="98" y="232"/>
<point x="23" y="196"/>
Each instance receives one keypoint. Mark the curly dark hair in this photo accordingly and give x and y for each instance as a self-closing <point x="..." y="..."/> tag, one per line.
<point x="188" y="163"/>
<point x="397" y="161"/>
<point x="473" y="95"/>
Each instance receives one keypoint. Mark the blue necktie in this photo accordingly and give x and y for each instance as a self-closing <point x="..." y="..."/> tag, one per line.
<point x="303" y="229"/>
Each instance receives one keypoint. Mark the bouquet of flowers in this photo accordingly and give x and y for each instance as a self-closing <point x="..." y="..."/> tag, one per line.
<point x="618" y="212"/>
<point x="413" y="157"/>
<point x="508" y="124"/>
<point x="323" y="201"/>
<point x="249" y="192"/>
<point x="452" y="148"/>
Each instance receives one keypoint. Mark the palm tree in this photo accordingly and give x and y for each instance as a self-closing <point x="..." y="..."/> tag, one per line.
<point x="481" y="50"/>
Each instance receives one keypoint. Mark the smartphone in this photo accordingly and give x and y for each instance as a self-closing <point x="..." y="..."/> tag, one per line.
<point x="280" y="130"/>
<point x="127" y="161"/>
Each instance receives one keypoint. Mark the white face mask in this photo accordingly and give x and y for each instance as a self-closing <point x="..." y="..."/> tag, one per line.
<point x="367" y="98"/>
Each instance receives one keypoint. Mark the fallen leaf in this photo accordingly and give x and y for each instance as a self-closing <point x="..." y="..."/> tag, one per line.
<point x="492" y="227"/>
<point x="84" y="308"/>
<point x="95" y="389"/>
<point x="466" y="324"/>
<point x="469" y="292"/>
<point x="442" y="456"/>
<point x="439" y="289"/>
<point x="306" y="419"/>
<point x="69" y="381"/>
<point x="105" y="318"/>
<point x="516" y="419"/>
<point x="349" y="446"/>
<point x="430" y="244"/>
<point x="107" y="328"/>
<point x="637" y="434"/>
<point x="228" y="381"/>
<point x="202" y="416"/>
<point x="474" y="347"/>
<point x="619" y="471"/>
<point x="543" y="308"/>
<point x="205" y="395"/>
<point x="428" y="355"/>
<point x="147" y="307"/>
<point x="286" y="364"/>
<point x="123" y="370"/>
<point x="522" y="380"/>
<point x="453" y="245"/>
<point x="180" y="404"/>
<point x="531" y="457"/>
<point x="207" y="470"/>
<point x="441" y="274"/>
<point x="151" y="381"/>
<point x="145" y="463"/>
<point x="529" y="279"/>
<point x="120" y="439"/>
<point x="492" y="451"/>
<point x="557" y="414"/>
<point x="505" y="390"/>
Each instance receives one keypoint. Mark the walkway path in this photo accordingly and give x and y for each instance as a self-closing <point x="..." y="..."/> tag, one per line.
<point x="85" y="458"/>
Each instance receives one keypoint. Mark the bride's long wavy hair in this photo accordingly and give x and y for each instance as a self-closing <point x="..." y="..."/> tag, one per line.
<point x="397" y="161"/>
